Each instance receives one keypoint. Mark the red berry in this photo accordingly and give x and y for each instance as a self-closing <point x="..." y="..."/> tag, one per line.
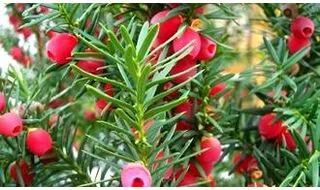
<point x="39" y="142"/>
<point x="25" y="172"/>
<point x="10" y="124"/>
<point x="52" y="34"/>
<point x="206" y="166"/>
<point x="3" y="102"/>
<point x="43" y="10"/>
<point x="56" y="103"/>
<point x="182" y="66"/>
<point x="172" y="95"/>
<point x="286" y="138"/>
<point x="268" y="127"/>
<point x="169" y="172"/>
<point x="26" y="32"/>
<point x="302" y="27"/>
<point x="208" y="49"/>
<point x="188" y="36"/>
<point x="167" y="28"/>
<point x="217" y="89"/>
<point x="290" y="143"/>
<point x="89" y="115"/>
<point x="245" y="164"/>
<point x="213" y="152"/>
<point x="14" y="20"/>
<point x="101" y="103"/>
<point x="188" y="179"/>
<point x="16" y="53"/>
<point x="60" y="47"/>
<point x="185" y="107"/>
<point x="173" y="5"/>
<point x="295" y="44"/>
<point x="26" y="60"/>
<point x="91" y="66"/>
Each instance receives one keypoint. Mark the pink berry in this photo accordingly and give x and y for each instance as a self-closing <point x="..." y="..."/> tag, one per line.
<point x="212" y="155"/>
<point x="189" y="35"/>
<point x="16" y="53"/>
<point x="302" y="27"/>
<point x="182" y="66"/>
<point x="167" y="28"/>
<point x="268" y="127"/>
<point x="25" y="172"/>
<point x="208" y="49"/>
<point x="39" y="142"/>
<point x="3" y="102"/>
<point x="10" y="125"/>
<point x="217" y="89"/>
<point x="295" y="44"/>
<point x="135" y="175"/>
<point x="59" y="48"/>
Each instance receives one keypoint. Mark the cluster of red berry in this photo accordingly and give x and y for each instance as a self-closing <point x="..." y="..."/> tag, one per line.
<point x="38" y="140"/>
<point x="16" y="21"/>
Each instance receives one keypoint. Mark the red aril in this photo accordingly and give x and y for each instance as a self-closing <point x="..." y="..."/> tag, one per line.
<point x="168" y="27"/>
<point x="182" y="66"/>
<point x="213" y="152"/>
<point x="208" y="49"/>
<point x="302" y="27"/>
<point x="25" y="172"/>
<point x="10" y="125"/>
<point x="189" y="35"/>
<point x="296" y="44"/>
<point x="59" y="48"/>
<point x="39" y="141"/>
<point x="268" y="127"/>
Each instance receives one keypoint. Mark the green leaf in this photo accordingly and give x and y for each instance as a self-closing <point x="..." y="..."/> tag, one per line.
<point x="166" y="107"/>
<point x="100" y="79"/>
<point x="113" y="39"/>
<point x="146" y="45"/>
<point x="301" y="144"/>
<point x="100" y="94"/>
<point x="142" y="80"/>
<point x="112" y="127"/>
<point x="295" y="58"/>
<point x="315" y="172"/>
<point x="142" y="35"/>
<point x="130" y="62"/>
<point x="290" y="176"/>
<point x="50" y="16"/>
<point x="271" y="50"/>
<point x="126" y="36"/>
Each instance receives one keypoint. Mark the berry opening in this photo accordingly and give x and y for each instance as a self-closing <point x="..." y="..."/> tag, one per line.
<point x="211" y="48"/>
<point x="307" y="31"/>
<point x="16" y="130"/>
<point x="137" y="182"/>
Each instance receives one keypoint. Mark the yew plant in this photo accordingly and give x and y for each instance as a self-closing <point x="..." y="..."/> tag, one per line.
<point x="138" y="95"/>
